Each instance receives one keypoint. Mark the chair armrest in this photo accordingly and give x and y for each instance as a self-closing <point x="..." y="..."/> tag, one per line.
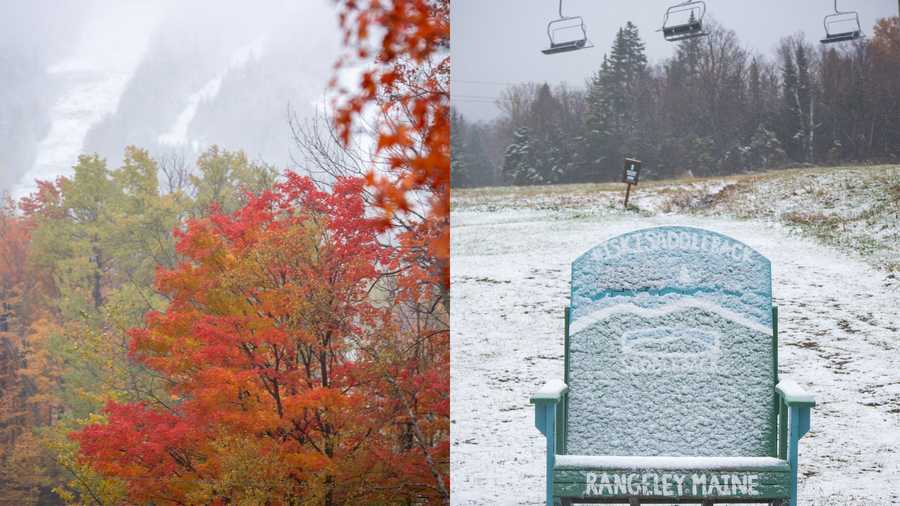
<point x="547" y="409"/>
<point x="794" y="395"/>
<point x="552" y="391"/>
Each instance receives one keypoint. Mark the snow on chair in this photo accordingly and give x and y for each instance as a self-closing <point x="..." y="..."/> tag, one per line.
<point x="670" y="390"/>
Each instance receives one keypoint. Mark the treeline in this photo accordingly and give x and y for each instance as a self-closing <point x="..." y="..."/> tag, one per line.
<point x="713" y="108"/>
<point x="216" y="333"/>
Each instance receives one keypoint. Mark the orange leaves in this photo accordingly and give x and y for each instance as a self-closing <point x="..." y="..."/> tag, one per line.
<point x="15" y="237"/>
<point x="368" y="85"/>
<point x="887" y="31"/>
<point x="408" y="80"/>
<point x="388" y="78"/>
<point x="886" y="42"/>
<point x="396" y="137"/>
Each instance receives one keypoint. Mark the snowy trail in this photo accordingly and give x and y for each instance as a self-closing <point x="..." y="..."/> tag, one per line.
<point x="839" y="332"/>
<point x="92" y="78"/>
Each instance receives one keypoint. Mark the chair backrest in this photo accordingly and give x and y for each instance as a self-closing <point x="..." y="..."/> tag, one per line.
<point x="670" y="347"/>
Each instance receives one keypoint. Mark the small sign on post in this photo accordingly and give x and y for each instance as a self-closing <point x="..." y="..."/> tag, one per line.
<point x="631" y="176"/>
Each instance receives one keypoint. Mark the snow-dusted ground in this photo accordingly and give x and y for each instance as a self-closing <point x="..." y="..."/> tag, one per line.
<point x="839" y="330"/>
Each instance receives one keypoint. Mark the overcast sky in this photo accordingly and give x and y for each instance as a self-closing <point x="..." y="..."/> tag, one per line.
<point x="498" y="42"/>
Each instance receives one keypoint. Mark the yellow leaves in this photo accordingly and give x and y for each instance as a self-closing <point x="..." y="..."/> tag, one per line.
<point x="85" y="483"/>
<point x="98" y="360"/>
<point x="887" y="38"/>
<point x="25" y="467"/>
<point x="244" y="468"/>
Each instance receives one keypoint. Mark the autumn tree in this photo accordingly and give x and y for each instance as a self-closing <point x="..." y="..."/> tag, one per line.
<point x="286" y="324"/>
<point x="225" y="178"/>
<point x="26" y="399"/>
<point x="403" y="45"/>
<point x="96" y="240"/>
<point x="885" y="86"/>
<point x="14" y="242"/>
<point x="268" y="346"/>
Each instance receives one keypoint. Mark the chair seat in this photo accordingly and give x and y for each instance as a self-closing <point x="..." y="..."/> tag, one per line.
<point x="676" y="478"/>
<point x="840" y="37"/>
<point x="563" y="47"/>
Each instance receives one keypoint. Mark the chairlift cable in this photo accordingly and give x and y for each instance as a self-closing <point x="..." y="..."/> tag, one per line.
<point x="476" y="96"/>
<point x="498" y="83"/>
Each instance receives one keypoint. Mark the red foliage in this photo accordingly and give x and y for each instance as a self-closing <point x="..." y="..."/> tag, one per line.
<point x="405" y="89"/>
<point x="140" y="445"/>
<point x="45" y="201"/>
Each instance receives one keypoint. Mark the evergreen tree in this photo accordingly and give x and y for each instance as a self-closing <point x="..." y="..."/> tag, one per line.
<point x="459" y="170"/>
<point x="614" y="102"/>
<point x="712" y="108"/>
<point x="755" y="92"/>
<point x="480" y="170"/>
<point x="790" y="126"/>
<point x="518" y="167"/>
<point x="599" y="116"/>
<point x="764" y="150"/>
<point x="805" y="104"/>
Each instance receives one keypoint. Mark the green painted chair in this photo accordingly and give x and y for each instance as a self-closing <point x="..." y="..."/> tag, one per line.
<point x="670" y="391"/>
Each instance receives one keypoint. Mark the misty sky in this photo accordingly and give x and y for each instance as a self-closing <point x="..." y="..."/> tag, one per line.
<point x="498" y="42"/>
<point x="97" y="75"/>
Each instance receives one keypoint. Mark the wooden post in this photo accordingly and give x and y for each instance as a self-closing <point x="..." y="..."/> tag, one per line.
<point x="627" y="193"/>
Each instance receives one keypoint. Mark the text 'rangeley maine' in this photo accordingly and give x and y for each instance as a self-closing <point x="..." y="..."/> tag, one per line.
<point x="671" y="484"/>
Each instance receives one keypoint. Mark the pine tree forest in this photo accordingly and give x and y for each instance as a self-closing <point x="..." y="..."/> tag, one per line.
<point x="713" y="108"/>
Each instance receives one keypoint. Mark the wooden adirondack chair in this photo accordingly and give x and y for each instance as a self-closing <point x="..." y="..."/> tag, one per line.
<point x="671" y="390"/>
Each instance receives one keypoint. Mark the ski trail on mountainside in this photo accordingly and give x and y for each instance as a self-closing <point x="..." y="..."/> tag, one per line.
<point x="93" y="78"/>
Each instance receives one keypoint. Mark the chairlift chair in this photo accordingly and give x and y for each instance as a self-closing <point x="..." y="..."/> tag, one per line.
<point x="684" y="21"/>
<point x="557" y="30"/>
<point x="841" y="26"/>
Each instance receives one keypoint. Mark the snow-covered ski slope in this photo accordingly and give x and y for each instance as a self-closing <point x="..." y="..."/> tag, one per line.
<point x="839" y="316"/>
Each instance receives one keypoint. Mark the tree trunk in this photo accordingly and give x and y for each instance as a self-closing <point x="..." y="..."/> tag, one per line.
<point x="811" y="140"/>
<point x="98" y="278"/>
<point x="329" y="478"/>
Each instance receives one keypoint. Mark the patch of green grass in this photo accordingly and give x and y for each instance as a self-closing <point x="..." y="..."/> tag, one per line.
<point x="893" y="192"/>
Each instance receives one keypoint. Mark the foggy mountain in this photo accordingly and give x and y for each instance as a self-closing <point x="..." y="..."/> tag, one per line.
<point x="172" y="77"/>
